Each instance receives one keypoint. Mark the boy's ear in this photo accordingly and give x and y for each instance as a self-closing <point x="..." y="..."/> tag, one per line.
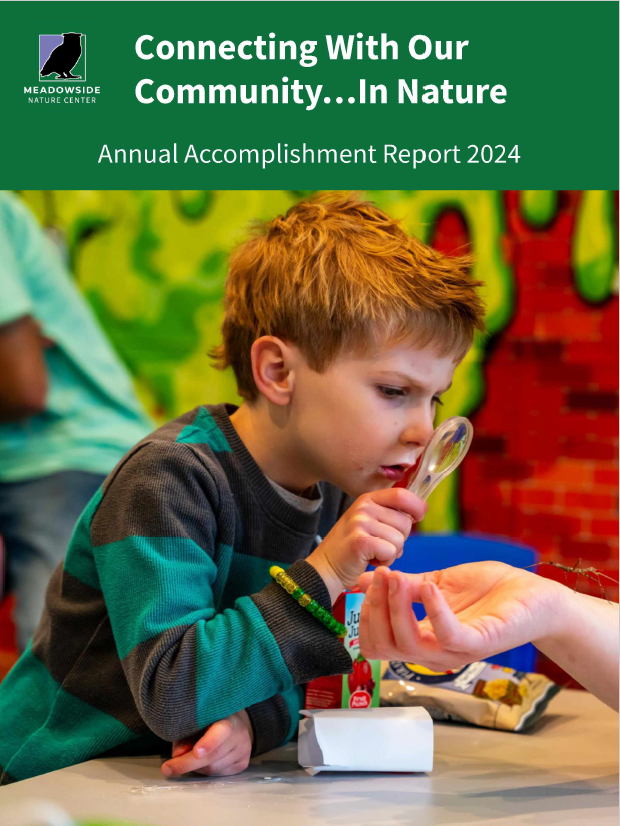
<point x="272" y="366"/>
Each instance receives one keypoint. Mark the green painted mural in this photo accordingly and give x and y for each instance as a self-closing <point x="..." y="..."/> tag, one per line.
<point x="538" y="206"/>
<point x="595" y="246"/>
<point x="153" y="266"/>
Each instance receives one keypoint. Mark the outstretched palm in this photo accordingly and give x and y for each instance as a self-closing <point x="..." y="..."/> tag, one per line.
<point x="497" y="606"/>
<point x="473" y="611"/>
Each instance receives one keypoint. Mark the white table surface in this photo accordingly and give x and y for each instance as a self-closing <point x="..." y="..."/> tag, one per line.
<point x="565" y="771"/>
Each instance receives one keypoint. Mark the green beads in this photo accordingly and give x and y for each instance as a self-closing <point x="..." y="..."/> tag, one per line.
<point x="306" y="601"/>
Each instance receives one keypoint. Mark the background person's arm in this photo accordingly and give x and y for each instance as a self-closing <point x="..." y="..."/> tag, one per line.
<point x="23" y="374"/>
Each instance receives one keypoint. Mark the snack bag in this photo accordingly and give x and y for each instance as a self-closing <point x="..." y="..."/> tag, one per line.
<point x="481" y="693"/>
<point x="360" y="689"/>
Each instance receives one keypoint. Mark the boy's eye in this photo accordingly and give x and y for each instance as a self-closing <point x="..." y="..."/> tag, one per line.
<point x="436" y="400"/>
<point x="390" y="392"/>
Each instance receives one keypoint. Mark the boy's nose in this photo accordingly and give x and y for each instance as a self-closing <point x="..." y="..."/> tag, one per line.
<point x="419" y="431"/>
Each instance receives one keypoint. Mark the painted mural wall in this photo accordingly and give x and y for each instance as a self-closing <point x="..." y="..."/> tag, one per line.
<point x="541" y="390"/>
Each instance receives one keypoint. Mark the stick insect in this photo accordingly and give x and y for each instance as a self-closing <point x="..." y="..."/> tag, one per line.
<point x="590" y="573"/>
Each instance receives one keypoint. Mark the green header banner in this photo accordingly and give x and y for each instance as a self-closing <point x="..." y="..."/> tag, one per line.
<point x="297" y="95"/>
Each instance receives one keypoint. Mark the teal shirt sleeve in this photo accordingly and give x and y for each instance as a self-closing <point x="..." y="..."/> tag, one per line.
<point x="15" y="301"/>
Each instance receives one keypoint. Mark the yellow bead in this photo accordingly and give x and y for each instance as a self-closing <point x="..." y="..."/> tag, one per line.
<point x="305" y="600"/>
<point x="290" y="586"/>
<point x="275" y="570"/>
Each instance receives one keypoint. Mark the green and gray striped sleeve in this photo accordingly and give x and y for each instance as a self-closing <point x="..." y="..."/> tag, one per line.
<point x="162" y="546"/>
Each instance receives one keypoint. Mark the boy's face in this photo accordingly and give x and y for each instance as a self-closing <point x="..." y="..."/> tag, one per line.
<point x="365" y="421"/>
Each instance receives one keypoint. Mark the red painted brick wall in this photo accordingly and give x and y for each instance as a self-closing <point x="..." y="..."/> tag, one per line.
<point x="543" y="466"/>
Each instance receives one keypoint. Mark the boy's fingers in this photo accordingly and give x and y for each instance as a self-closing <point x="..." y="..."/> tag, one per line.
<point x="384" y="552"/>
<point x="214" y="737"/>
<point x="402" y="522"/>
<point x="403" y="621"/>
<point x="233" y="763"/>
<point x="182" y="747"/>
<point x="190" y="763"/>
<point x="235" y="768"/>
<point x="401" y="499"/>
<point x="446" y="626"/>
<point x="182" y="764"/>
<point x="210" y="747"/>
<point x="389" y="534"/>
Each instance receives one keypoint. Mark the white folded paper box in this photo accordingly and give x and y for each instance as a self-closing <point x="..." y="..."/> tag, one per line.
<point x="368" y="739"/>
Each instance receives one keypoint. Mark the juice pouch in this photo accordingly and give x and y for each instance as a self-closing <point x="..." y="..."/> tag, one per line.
<point x="360" y="689"/>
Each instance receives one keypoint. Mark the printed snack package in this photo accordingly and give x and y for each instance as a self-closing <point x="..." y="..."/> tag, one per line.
<point x="481" y="693"/>
<point x="360" y="689"/>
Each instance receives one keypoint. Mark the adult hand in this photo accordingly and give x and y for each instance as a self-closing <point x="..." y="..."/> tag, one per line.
<point x="473" y="611"/>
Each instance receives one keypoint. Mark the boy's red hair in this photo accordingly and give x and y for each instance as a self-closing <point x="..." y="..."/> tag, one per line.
<point x="337" y="274"/>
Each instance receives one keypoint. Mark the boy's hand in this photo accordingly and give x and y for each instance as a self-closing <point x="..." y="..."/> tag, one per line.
<point x="224" y="748"/>
<point x="371" y="532"/>
<point x="473" y="611"/>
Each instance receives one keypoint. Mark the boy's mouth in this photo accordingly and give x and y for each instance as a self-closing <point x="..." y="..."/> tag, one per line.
<point x="396" y="473"/>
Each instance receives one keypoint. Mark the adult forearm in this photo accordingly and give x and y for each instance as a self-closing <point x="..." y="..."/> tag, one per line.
<point x="586" y="646"/>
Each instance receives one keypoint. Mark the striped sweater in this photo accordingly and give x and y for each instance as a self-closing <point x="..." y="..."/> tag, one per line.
<point x="162" y="618"/>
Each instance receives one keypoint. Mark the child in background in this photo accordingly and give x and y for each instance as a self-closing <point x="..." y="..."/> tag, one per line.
<point x="68" y="408"/>
<point x="342" y="332"/>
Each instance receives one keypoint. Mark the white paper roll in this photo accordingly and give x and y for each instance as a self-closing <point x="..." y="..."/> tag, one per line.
<point x="369" y="739"/>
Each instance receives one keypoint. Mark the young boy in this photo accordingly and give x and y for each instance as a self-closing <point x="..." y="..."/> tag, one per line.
<point x="342" y="332"/>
